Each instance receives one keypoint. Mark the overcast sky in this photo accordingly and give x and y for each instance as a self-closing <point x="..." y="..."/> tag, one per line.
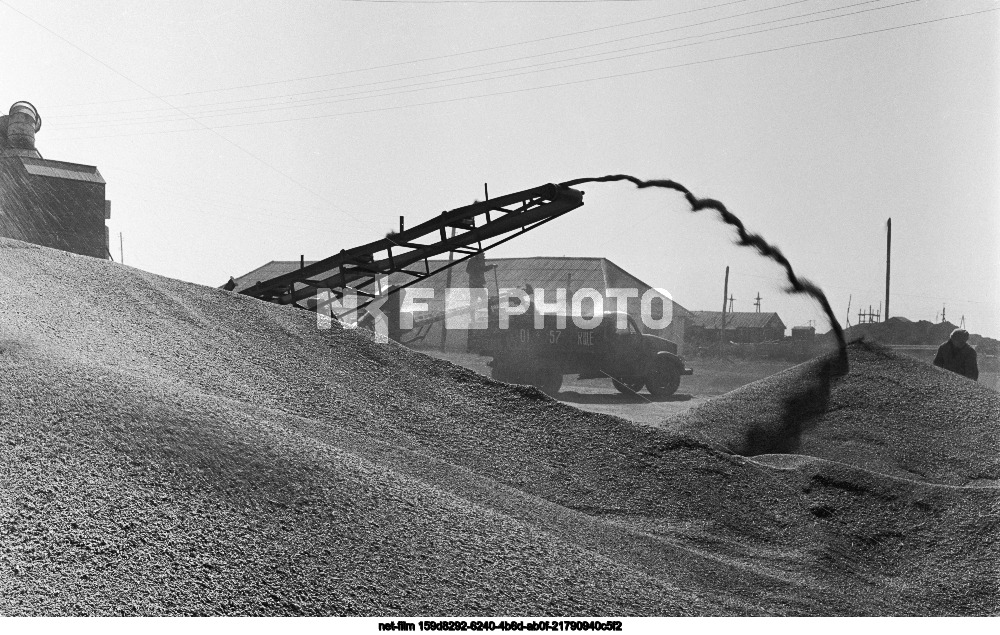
<point x="235" y="133"/>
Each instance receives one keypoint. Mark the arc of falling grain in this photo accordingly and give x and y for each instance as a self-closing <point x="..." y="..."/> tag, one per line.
<point x="746" y="239"/>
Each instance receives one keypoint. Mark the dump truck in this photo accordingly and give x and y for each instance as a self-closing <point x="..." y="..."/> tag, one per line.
<point x="615" y="349"/>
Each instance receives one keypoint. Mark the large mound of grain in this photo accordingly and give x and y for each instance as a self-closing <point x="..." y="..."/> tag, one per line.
<point x="167" y="448"/>
<point x="891" y="414"/>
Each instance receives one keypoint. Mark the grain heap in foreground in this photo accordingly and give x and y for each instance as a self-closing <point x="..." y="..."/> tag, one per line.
<point x="167" y="448"/>
<point x="891" y="414"/>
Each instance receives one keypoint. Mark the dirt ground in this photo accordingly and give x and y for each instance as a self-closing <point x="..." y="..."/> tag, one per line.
<point x="712" y="377"/>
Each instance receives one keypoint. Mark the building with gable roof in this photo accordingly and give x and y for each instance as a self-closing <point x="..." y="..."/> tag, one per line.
<point x="546" y="274"/>
<point x="742" y="327"/>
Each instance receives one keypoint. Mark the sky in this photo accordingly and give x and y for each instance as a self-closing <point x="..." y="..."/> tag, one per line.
<point x="235" y="133"/>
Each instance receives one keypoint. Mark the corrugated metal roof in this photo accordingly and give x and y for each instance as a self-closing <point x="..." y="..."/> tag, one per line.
<point x="737" y="320"/>
<point x="539" y="272"/>
<point x="61" y="170"/>
<point x="270" y="270"/>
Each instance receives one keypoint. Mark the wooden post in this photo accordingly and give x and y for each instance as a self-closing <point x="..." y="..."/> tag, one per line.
<point x="888" y="257"/>
<point x="725" y="299"/>
<point x="447" y="285"/>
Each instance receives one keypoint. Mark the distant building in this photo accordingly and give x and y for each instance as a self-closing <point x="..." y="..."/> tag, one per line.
<point x="740" y="327"/>
<point x="541" y="273"/>
<point x="50" y="203"/>
<point x="803" y="332"/>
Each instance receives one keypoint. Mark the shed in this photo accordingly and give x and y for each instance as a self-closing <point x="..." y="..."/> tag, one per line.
<point x="745" y="327"/>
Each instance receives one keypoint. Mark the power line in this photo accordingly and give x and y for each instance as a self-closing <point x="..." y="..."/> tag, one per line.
<point x="204" y="126"/>
<point x="266" y="215"/>
<point x="874" y="290"/>
<point x="492" y="1"/>
<point x="494" y="63"/>
<point x="231" y="197"/>
<point x="220" y="212"/>
<point x="414" y="61"/>
<point x="560" y="84"/>
<point x="491" y="75"/>
<point x="563" y="84"/>
<point x="528" y="89"/>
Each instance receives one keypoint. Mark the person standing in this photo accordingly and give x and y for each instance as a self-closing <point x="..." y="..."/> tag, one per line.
<point x="957" y="356"/>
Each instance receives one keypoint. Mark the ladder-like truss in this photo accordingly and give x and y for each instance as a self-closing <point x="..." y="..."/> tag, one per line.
<point x="477" y="228"/>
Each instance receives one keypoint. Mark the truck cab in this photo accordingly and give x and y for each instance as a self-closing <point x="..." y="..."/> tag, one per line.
<point x="613" y="348"/>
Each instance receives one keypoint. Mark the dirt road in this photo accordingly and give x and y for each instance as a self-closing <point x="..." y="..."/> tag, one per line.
<point x="712" y="377"/>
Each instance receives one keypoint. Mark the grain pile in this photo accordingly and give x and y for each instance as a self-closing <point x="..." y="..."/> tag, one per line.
<point x="892" y="414"/>
<point x="167" y="448"/>
<point x="899" y="330"/>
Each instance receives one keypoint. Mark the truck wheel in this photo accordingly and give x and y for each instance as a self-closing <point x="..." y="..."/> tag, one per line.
<point x="663" y="380"/>
<point x="628" y="385"/>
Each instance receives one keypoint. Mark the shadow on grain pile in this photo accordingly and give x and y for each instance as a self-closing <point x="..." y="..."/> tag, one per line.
<point x="167" y="448"/>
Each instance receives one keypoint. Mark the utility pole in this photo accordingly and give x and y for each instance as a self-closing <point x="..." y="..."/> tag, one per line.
<point x="888" y="260"/>
<point x="730" y="303"/>
<point x="757" y="303"/>
<point x="849" y="298"/>
<point x="447" y="287"/>
<point x="866" y="318"/>
<point x="943" y="318"/>
<point x="725" y="294"/>
<point x="121" y="249"/>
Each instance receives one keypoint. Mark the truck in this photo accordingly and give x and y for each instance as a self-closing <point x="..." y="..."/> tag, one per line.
<point x="521" y="353"/>
<point x="615" y="348"/>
